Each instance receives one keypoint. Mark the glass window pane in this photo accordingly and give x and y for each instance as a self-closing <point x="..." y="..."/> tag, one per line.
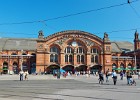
<point x="82" y="58"/>
<point x="56" y="58"/>
<point x="78" y="58"/>
<point x="70" y="58"/>
<point x="96" y="59"/>
<point x="51" y="58"/>
<point x="92" y="58"/>
<point x="66" y="58"/>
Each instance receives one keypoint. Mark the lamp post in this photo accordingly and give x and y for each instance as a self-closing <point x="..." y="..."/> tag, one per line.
<point x="21" y="60"/>
<point x="135" y="59"/>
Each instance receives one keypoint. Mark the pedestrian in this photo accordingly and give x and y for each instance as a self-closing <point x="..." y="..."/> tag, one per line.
<point x="26" y="75"/>
<point x="101" y="77"/>
<point x="21" y="75"/>
<point x="107" y="75"/>
<point x="114" y="77"/>
<point x="121" y="74"/>
<point x="128" y="76"/>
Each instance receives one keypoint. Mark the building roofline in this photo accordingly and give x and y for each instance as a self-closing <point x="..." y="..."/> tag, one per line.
<point x="73" y="32"/>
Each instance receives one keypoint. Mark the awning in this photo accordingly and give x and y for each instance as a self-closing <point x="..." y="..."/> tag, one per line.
<point x="125" y="69"/>
<point x="5" y="68"/>
<point x="118" y="69"/>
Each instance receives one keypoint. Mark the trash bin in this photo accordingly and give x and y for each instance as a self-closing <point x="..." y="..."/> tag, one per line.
<point x="58" y="74"/>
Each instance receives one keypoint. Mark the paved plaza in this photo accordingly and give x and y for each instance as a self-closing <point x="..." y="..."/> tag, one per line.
<point x="46" y="87"/>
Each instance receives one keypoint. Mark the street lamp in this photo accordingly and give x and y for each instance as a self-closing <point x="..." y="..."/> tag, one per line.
<point x="135" y="59"/>
<point x="21" y="60"/>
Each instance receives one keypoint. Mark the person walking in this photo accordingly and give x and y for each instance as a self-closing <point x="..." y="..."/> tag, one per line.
<point x="121" y="74"/>
<point x="114" y="77"/>
<point x="139" y="74"/>
<point x="21" y="75"/>
<point x="101" y="77"/>
<point x="26" y="75"/>
<point x="107" y="75"/>
<point x="128" y="76"/>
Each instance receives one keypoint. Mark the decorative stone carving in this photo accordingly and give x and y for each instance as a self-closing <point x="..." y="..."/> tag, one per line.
<point x="136" y="35"/>
<point x="40" y="34"/>
<point x="87" y="42"/>
<point x="107" y="48"/>
<point x="106" y="39"/>
<point x="40" y="46"/>
<point x="61" y="41"/>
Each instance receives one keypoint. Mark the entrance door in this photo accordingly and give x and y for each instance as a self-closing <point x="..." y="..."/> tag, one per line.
<point x="5" y="68"/>
<point x="52" y="69"/>
<point x="95" y="68"/>
<point x="15" y="68"/>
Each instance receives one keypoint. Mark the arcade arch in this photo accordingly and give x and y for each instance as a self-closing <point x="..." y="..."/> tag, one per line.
<point x="5" y="68"/>
<point x="95" y="68"/>
<point x="68" y="68"/>
<point x="52" y="69"/>
<point x="15" y="67"/>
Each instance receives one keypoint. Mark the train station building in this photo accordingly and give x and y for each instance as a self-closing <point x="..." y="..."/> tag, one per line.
<point x="71" y="50"/>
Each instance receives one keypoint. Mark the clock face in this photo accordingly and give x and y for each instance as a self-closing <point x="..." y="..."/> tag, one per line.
<point x="74" y="44"/>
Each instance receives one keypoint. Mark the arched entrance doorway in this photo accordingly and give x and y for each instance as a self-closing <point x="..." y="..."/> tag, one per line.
<point x="82" y="69"/>
<point x="5" y="68"/>
<point x="33" y="63"/>
<point x="95" y="68"/>
<point x="69" y="68"/>
<point x="33" y="68"/>
<point x="24" y="66"/>
<point x="52" y="69"/>
<point x="15" y="68"/>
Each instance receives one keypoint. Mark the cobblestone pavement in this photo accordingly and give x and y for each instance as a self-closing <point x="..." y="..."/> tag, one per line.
<point x="46" y="87"/>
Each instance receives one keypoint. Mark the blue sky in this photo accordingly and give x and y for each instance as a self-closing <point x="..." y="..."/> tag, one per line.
<point x="96" y="22"/>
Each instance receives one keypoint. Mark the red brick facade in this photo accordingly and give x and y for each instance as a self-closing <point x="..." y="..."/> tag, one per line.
<point x="75" y="50"/>
<point x="70" y="50"/>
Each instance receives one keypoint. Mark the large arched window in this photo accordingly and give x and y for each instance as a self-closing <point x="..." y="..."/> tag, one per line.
<point x="92" y="59"/>
<point x="80" y="50"/>
<point x="94" y="55"/>
<point x="96" y="59"/>
<point x="80" y="55"/>
<point x="51" y="58"/>
<point x="82" y="58"/>
<point x="54" y="53"/>
<point x="94" y="50"/>
<point x="66" y="58"/>
<point x="68" y="50"/>
<point x="54" y="49"/>
<point x="70" y="58"/>
<point x="68" y="54"/>
<point x="78" y="58"/>
<point x="56" y="58"/>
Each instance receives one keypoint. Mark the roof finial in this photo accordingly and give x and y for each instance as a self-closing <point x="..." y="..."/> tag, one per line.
<point x="40" y="35"/>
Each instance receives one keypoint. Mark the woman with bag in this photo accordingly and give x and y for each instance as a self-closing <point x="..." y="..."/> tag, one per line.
<point x="114" y="77"/>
